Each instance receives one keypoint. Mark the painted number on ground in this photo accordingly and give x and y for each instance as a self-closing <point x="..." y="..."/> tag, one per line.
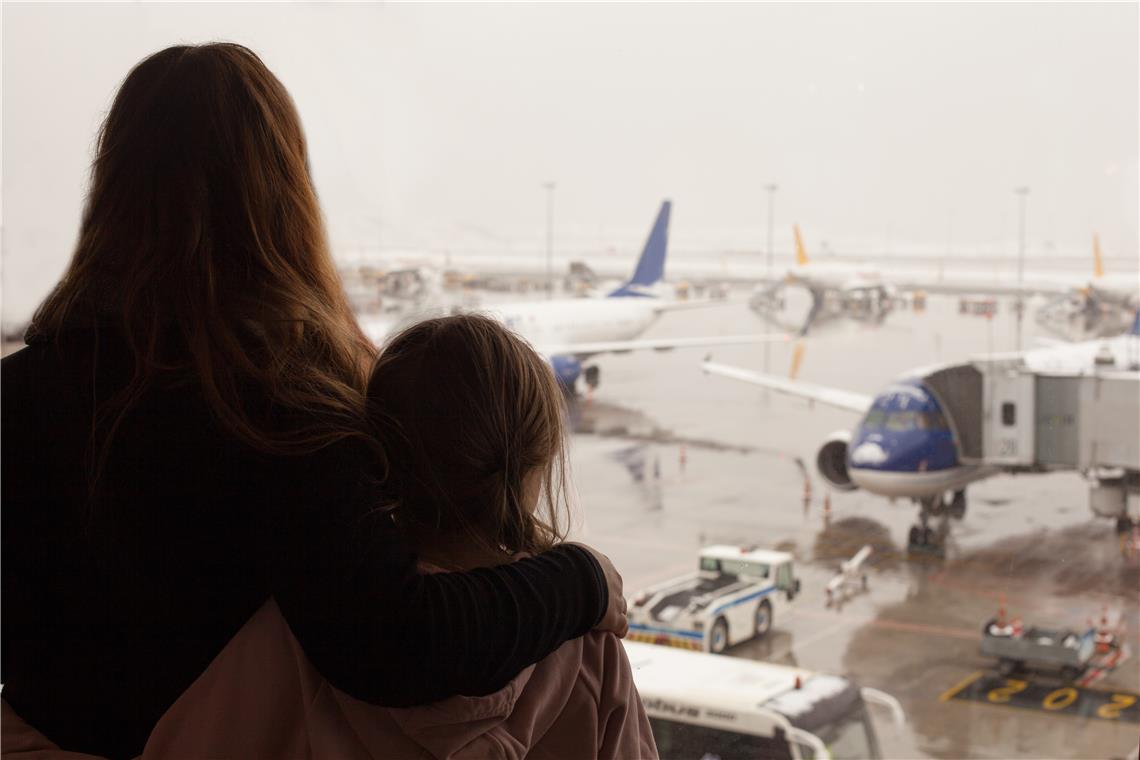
<point x="1055" y="699"/>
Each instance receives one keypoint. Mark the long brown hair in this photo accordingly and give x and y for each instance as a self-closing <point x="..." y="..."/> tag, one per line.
<point x="202" y="240"/>
<point x="465" y="411"/>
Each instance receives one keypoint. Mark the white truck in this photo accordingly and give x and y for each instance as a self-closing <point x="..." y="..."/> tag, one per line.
<point x="734" y="596"/>
<point x="703" y="706"/>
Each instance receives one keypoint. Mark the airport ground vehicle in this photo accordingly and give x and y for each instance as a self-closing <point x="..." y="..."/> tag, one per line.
<point x="1014" y="648"/>
<point x="734" y="596"/>
<point x="703" y="706"/>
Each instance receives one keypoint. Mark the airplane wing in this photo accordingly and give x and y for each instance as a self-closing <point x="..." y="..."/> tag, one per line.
<point x="841" y="399"/>
<point x="590" y="348"/>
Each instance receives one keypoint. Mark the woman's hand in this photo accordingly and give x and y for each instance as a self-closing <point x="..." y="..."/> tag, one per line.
<point x="614" y="620"/>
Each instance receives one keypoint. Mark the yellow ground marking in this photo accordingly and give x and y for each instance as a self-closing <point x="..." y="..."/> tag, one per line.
<point x="961" y="685"/>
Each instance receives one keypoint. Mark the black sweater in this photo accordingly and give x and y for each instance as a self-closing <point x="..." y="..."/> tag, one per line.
<point x="111" y="611"/>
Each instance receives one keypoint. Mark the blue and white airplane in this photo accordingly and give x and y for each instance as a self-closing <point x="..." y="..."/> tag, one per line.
<point x="568" y="331"/>
<point x="907" y="446"/>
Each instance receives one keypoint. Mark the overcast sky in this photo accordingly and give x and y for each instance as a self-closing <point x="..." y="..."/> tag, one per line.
<point x="888" y="127"/>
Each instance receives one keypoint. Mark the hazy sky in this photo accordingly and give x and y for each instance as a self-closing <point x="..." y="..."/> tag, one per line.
<point x="889" y="127"/>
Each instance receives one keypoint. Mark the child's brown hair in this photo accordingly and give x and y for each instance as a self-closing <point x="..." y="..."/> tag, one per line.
<point x="465" y="411"/>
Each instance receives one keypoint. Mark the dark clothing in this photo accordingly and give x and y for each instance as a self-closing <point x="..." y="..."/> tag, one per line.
<point x="111" y="609"/>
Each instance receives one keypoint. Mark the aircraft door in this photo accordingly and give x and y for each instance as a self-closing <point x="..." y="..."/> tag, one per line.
<point x="1010" y="424"/>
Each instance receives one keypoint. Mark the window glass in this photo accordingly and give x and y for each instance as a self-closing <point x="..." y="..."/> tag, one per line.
<point x="875" y="419"/>
<point x="1008" y="414"/>
<point x="685" y="741"/>
<point x="902" y="421"/>
<point x="784" y="577"/>
<point x="744" y="567"/>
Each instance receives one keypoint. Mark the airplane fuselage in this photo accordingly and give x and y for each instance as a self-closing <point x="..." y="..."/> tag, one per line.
<point x="577" y="320"/>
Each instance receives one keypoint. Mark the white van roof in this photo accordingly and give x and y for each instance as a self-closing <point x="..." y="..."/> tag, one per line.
<point x="724" y="551"/>
<point x="727" y="684"/>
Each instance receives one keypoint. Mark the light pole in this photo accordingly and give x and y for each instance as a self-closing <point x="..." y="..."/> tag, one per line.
<point x="1022" y="198"/>
<point x="549" y="185"/>
<point x="771" y="188"/>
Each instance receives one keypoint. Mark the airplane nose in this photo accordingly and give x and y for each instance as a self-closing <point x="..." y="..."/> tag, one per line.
<point x="869" y="453"/>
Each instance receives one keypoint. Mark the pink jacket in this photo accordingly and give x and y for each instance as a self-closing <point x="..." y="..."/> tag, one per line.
<point x="262" y="698"/>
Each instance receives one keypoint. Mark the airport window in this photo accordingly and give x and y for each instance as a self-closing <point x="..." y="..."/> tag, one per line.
<point x="1009" y="414"/>
<point x="830" y="256"/>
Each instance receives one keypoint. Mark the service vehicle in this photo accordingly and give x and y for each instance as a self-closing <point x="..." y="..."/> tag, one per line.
<point x="704" y="706"/>
<point x="1062" y="649"/>
<point x="734" y="596"/>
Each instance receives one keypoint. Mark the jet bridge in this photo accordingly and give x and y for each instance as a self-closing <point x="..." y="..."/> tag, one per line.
<point x="1003" y="414"/>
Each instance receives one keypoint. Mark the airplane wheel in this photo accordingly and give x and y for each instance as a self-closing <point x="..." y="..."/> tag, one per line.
<point x="915" y="537"/>
<point x="958" y="505"/>
<point x="763" y="618"/>
<point x="719" y="641"/>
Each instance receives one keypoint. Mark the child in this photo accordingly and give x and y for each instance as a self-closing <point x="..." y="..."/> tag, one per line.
<point x="471" y="420"/>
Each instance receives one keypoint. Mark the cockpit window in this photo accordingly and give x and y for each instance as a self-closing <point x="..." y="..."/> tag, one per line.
<point x="901" y="421"/>
<point x="875" y="419"/>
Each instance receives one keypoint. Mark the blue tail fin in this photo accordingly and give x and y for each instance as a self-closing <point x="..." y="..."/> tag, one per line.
<point x="651" y="266"/>
<point x="1135" y="324"/>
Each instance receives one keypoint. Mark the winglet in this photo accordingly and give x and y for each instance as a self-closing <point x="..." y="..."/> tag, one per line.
<point x="651" y="266"/>
<point x="1135" y="324"/>
<point x="1098" y="261"/>
<point x="801" y="252"/>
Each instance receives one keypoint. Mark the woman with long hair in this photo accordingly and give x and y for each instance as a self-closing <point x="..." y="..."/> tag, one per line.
<point x="185" y="438"/>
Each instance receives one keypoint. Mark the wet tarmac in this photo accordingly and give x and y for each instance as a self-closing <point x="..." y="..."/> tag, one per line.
<point x="666" y="460"/>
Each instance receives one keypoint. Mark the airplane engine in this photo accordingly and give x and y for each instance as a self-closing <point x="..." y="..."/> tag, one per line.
<point x="567" y="370"/>
<point x="831" y="461"/>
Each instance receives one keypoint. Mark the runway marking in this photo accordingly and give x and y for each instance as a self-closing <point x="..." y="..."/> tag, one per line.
<point x="966" y="634"/>
<point x="925" y="628"/>
<point x="802" y="644"/>
<point x="953" y="690"/>
<point x="1074" y="701"/>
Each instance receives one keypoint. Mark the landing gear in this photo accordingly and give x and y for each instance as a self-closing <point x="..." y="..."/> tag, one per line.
<point x="958" y="505"/>
<point x="924" y="539"/>
<point x="592" y="375"/>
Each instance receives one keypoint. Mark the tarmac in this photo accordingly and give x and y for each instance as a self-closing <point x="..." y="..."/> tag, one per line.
<point x="665" y="460"/>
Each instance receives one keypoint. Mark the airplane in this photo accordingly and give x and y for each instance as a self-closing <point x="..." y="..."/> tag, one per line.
<point x="856" y="291"/>
<point x="914" y="436"/>
<point x="1096" y="309"/>
<point x="569" y="331"/>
